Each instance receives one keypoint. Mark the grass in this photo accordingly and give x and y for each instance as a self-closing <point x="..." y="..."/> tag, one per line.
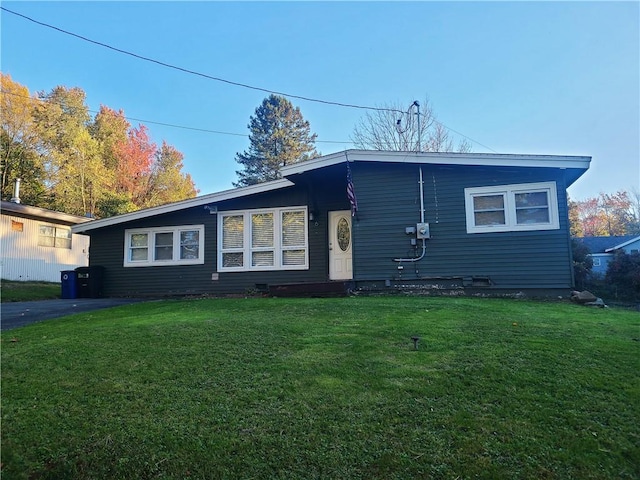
<point x="12" y="291"/>
<point x="325" y="388"/>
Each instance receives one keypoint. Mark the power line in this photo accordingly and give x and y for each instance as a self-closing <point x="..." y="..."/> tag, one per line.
<point x="193" y="72"/>
<point x="153" y="122"/>
<point x="230" y="82"/>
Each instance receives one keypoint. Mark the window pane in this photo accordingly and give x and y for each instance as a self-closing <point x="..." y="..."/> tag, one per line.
<point x="139" y="254"/>
<point x="63" y="242"/>
<point x="293" y="257"/>
<point x="139" y="240"/>
<point x="190" y="237"/>
<point x="189" y="245"/>
<point x="63" y="233"/>
<point x="293" y="229"/>
<point x="234" y="259"/>
<point x="532" y="215"/>
<point x="47" y="231"/>
<point x="488" y="202"/>
<point x="46" y="241"/>
<point x="232" y="231"/>
<point x="262" y="259"/>
<point x="489" y="218"/>
<point x="343" y="234"/>
<point x="164" y="239"/>
<point x="533" y="199"/>
<point x="164" y="246"/>
<point x="262" y="230"/>
<point x="46" y="238"/>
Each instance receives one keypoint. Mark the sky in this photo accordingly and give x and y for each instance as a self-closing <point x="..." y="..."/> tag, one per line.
<point x="552" y="78"/>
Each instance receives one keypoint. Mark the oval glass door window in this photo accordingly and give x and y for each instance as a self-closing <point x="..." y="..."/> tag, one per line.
<point x="344" y="234"/>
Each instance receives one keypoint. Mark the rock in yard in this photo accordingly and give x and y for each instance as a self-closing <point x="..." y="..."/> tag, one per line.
<point x="583" y="297"/>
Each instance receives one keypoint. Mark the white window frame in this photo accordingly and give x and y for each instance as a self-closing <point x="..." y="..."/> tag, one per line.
<point x="278" y="247"/>
<point x="509" y="194"/>
<point x="151" y="236"/>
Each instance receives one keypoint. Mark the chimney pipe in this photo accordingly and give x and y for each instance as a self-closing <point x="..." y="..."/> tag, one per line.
<point x="16" y="192"/>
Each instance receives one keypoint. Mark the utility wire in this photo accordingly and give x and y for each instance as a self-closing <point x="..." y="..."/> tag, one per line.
<point x="193" y="72"/>
<point x="184" y="127"/>
<point x="230" y="82"/>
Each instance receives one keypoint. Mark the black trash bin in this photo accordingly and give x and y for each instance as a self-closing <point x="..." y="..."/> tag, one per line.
<point x="89" y="283"/>
<point x="68" y="279"/>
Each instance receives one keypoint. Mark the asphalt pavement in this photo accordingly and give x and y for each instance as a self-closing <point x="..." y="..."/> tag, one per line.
<point x="19" y="314"/>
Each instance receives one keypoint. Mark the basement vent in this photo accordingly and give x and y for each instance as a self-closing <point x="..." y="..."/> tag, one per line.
<point x="476" y="282"/>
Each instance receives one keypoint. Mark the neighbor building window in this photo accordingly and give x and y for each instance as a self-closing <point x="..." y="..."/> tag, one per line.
<point x="164" y="246"/>
<point x="508" y="208"/>
<point x="269" y="239"/>
<point x="54" y="236"/>
<point x="596" y="261"/>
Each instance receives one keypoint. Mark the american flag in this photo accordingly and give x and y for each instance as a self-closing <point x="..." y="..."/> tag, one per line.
<point x="351" y="193"/>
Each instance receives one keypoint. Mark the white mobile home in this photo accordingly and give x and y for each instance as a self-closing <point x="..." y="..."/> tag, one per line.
<point x="37" y="244"/>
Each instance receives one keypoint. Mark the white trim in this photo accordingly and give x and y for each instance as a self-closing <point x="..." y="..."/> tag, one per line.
<point x="192" y="202"/>
<point x="277" y="249"/>
<point x="449" y="158"/>
<point x="509" y="192"/>
<point x="622" y="245"/>
<point x="151" y="235"/>
<point x="576" y="164"/>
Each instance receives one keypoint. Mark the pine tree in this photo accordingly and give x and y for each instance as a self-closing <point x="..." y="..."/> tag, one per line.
<point x="279" y="136"/>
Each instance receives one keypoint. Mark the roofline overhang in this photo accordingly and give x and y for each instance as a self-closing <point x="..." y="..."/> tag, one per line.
<point x="42" y="213"/>
<point x="192" y="202"/>
<point x="578" y="163"/>
<point x="622" y="245"/>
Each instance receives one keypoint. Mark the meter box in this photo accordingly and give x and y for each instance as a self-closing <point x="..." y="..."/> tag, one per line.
<point x="422" y="231"/>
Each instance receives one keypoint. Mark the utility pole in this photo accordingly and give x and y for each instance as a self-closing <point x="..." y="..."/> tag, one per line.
<point x="417" y="105"/>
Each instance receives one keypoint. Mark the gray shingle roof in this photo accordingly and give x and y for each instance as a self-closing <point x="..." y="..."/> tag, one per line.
<point x="600" y="244"/>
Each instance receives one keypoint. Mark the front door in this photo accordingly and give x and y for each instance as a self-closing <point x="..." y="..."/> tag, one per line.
<point x="340" y="258"/>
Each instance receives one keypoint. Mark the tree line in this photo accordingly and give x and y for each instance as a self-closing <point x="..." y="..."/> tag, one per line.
<point x="606" y="215"/>
<point x="102" y="165"/>
<point x="80" y="164"/>
<point x="279" y="136"/>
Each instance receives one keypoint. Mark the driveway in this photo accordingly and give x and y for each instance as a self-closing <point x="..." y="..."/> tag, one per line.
<point x="19" y="314"/>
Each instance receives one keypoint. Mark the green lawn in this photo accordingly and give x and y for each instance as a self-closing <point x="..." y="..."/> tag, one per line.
<point x="11" y="291"/>
<point x="325" y="388"/>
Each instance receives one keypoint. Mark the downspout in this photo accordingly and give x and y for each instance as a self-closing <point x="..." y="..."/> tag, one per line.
<point x="570" y="240"/>
<point x="424" y="241"/>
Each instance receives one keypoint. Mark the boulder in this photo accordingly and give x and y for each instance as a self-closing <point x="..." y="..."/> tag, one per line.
<point x="583" y="297"/>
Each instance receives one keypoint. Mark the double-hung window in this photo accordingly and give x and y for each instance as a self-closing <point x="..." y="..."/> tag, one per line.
<point x="159" y="246"/>
<point x="510" y="208"/>
<point x="265" y="239"/>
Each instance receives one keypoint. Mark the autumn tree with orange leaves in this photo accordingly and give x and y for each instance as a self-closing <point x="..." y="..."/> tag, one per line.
<point x="71" y="162"/>
<point x="606" y="215"/>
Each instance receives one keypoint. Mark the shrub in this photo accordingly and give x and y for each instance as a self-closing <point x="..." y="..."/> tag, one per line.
<point x="582" y="263"/>
<point x="623" y="272"/>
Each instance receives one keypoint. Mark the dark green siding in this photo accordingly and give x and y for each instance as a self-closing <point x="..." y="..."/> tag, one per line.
<point x="107" y="249"/>
<point x="389" y="200"/>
